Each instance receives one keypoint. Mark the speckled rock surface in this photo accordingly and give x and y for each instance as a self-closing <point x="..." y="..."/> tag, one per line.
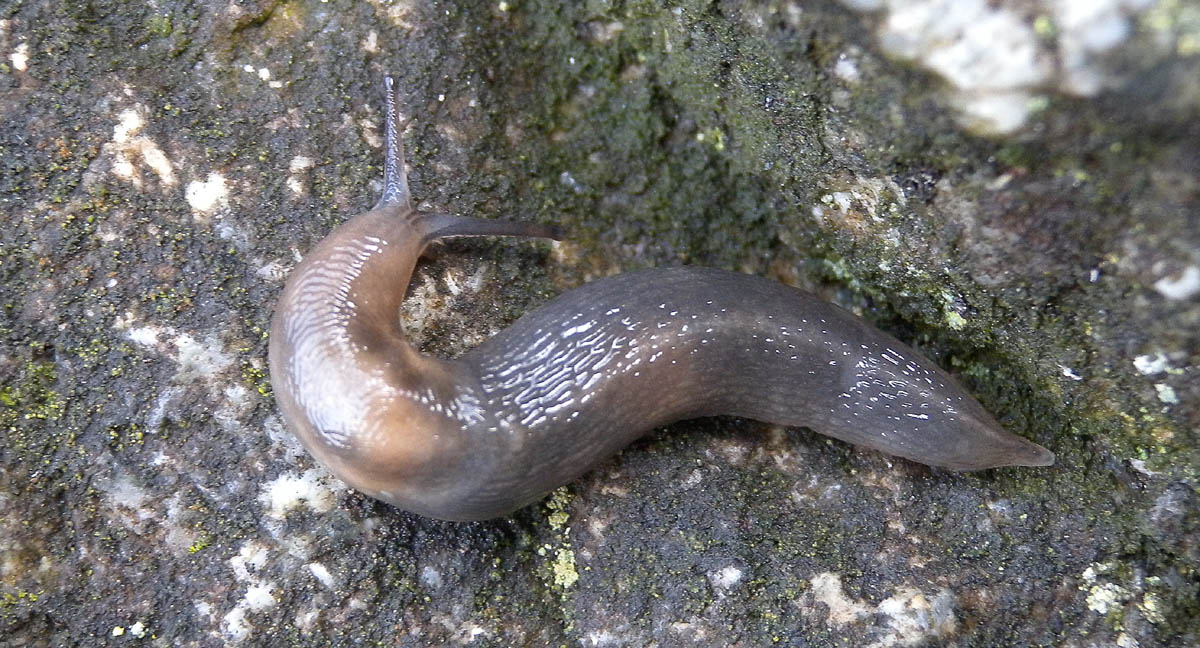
<point x="162" y="165"/>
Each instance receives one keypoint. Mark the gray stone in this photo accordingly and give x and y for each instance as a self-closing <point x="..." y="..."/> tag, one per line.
<point x="162" y="165"/>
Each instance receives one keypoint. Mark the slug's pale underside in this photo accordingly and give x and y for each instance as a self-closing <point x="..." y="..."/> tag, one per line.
<point x="573" y="382"/>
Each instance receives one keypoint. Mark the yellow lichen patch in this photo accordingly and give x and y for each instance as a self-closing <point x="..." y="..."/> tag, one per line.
<point x="1151" y="607"/>
<point x="564" y="568"/>
<point x="557" y="504"/>
<point x="562" y="565"/>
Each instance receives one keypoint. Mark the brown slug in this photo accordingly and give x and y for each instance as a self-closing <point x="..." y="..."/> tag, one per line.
<point x="573" y="382"/>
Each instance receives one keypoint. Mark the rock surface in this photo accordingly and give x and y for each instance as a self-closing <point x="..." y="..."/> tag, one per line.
<point x="162" y="165"/>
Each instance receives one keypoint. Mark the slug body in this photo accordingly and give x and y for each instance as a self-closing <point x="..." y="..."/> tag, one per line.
<point x="573" y="382"/>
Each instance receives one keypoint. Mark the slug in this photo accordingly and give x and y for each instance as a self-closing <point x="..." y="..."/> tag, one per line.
<point x="573" y="382"/>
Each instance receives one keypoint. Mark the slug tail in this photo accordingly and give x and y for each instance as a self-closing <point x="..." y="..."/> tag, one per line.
<point x="1031" y="454"/>
<point x="395" y="182"/>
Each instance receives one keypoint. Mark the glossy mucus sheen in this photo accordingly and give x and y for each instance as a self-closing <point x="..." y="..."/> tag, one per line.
<point x="573" y="382"/>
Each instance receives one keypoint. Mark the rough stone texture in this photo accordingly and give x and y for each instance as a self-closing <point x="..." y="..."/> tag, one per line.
<point x="163" y="164"/>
